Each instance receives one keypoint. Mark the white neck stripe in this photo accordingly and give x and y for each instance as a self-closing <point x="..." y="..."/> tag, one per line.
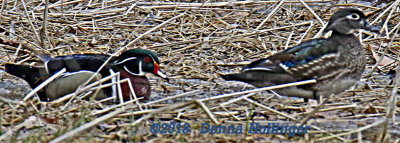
<point x="141" y="73"/>
<point x="131" y="58"/>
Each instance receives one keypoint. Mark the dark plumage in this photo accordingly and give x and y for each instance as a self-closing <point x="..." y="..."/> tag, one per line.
<point x="132" y="64"/>
<point x="336" y="62"/>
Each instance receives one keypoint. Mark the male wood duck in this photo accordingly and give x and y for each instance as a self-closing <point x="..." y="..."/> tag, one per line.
<point x="336" y="62"/>
<point x="132" y="64"/>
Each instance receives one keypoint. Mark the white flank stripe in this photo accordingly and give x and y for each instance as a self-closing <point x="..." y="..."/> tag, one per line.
<point x="258" y="68"/>
<point x="284" y="66"/>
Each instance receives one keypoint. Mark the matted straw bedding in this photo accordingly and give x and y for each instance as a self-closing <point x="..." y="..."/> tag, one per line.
<point x="196" y="41"/>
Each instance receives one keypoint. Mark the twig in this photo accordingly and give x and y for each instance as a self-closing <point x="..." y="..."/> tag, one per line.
<point x="219" y="4"/>
<point x="163" y="109"/>
<point x="151" y="30"/>
<point x="312" y="12"/>
<point x="116" y="106"/>
<point x="383" y="55"/>
<point x="236" y="99"/>
<point x="43" y="29"/>
<point x="377" y="123"/>
<point x="385" y="25"/>
<point x="306" y="33"/>
<point x="172" y="97"/>
<point x="28" y="122"/>
<point x="32" y="49"/>
<point x="210" y="115"/>
<point x="288" y="40"/>
<point x="316" y="109"/>
<point x="87" y="126"/>
<point x="391" y="107"/>
<point x="393" y="98"/>
<point x="320" y="31"/>
<point x="277" y="7"/>
<point x="12" y="101"/>
<point x="384" y="12"/>
<point x="261" y="89"/>
<point x="270" y="109"/>
<point x="3" y="4"/>
<point x="360" y="5"/>
<point x="30" y="22"/>
<point x="65" y="3"/>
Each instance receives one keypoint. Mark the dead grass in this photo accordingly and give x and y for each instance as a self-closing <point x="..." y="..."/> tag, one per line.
<point x="195" y="41"/>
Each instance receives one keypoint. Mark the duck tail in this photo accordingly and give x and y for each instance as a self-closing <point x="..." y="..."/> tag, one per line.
<point x="231" y="77"/>
<point x="44" y="57"/>
<point x="11" y="68"/>
<point x="17" y="70"/>
<point x="243" y="76"/>
<point x="29" y="73"/>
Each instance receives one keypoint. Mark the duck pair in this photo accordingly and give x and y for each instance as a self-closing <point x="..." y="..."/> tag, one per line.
<point x="336" y="63"/>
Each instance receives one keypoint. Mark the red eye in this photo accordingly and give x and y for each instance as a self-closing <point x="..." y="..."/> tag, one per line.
<point x="147" y="59"/>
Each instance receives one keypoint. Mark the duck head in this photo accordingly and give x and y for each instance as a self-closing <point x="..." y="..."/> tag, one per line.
<point x="347" y="21"/>
<point x="139" y="61"/>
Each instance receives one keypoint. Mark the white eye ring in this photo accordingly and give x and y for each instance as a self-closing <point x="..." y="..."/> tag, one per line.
<point x="353" y="16"/>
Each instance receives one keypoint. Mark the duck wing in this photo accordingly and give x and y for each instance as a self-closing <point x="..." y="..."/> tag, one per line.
<point x="306" y="57"/>
<point x="78" y="62"/>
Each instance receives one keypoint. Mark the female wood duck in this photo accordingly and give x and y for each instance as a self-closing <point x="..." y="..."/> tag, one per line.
<point x="132" y="64"/>
<point x="336" y="62"/>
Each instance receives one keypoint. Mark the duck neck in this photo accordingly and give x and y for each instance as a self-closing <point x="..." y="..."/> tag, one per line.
<point x="338" y="34"/>
<point x="342" y="38"/>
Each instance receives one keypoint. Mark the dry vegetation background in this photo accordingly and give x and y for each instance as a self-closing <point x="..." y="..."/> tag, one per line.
<point x="196" y="41"/>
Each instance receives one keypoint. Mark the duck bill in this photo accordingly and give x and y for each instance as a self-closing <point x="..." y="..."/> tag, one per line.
<point x="371" y="28"/>
<point x="157" y="71"/>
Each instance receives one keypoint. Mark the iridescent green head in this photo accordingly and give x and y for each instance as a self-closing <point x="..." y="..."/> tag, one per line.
<point x="138" y="61"/>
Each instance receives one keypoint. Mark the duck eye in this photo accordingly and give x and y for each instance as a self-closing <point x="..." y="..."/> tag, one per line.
<point x="354" y="16"/>
<point x="147" y="59"/>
